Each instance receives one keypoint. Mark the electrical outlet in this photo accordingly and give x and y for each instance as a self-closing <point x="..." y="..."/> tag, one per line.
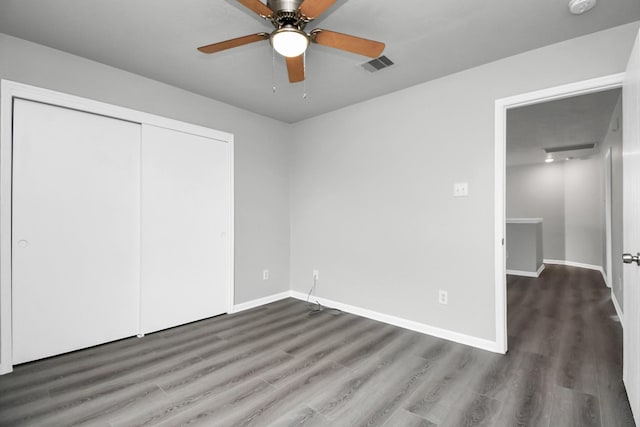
<point x="443" y="297"/>
<point x="265" y="274"/>
<point x="461" y="189"/>
<point x="316" y="275"/>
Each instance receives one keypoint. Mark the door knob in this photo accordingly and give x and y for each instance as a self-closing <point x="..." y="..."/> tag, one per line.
<point x="628" y="258"/>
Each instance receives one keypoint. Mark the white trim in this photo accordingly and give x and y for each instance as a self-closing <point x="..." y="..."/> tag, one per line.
<point x="606" y="279"/>
<point x="527" y="273"/>
<point x="617" y="307"/>
<point x="500" y="225"/>
<point x="6" y="354"/>
<point x="573" y="264"/>
<point x="232" y="226"/>
<point x="47" y="96"/>
<point x="608" y="210"/>
<point x="10" y="90"/>
<point x="406" y="324"/>
<point x="524" y="220"/>
<point x="522" y="273"/>
<point x="260" y="301"/>
<point x="374" y="315"/>
<point x="501" y="106"/>
<point x="580" y="265"/>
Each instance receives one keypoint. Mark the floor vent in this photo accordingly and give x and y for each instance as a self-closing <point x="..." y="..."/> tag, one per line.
<point x="377" y="64"/>
<point x="570" y="148"/>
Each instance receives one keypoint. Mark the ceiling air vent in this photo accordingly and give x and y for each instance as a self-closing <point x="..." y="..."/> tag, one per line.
<point x="570" y="148"/>
<point x="377" y="64"/>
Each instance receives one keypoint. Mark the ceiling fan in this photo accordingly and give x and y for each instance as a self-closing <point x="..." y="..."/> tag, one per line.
<point x="290" y="17"/>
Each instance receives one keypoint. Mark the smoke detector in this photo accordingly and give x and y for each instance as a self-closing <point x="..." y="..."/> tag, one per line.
<point x="578" y="7"/>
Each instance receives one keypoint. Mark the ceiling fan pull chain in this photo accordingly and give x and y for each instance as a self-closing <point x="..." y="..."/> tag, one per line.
<point x="304" y="82"/>
<point x="273" y="69"/>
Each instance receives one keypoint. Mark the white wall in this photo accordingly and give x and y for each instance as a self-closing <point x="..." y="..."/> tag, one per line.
<point x="613" y="140"/>
<point x="537" y="191"/>
<point x="569" y="196"/>
<point x="584" y="211"/>
<point x="261" y="149"/>
<point x="371" y="187"/>
<point x="523" y="246"/>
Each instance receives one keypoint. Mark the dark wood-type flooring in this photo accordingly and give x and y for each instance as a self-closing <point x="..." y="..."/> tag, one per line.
<point x="277" y="366"/>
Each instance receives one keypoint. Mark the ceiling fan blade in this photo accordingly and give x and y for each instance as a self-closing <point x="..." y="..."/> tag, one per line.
<point x="314" y="8"/>
<point x="228" y="44"/>
<point x="346" y="42"/>
<point x="295" y="66"/>
<point x="258" y="7"/>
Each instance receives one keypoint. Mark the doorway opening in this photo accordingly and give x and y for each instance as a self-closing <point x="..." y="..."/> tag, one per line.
<point x="502" y="108"/>
<point x="560" y="312"/>
<point x="561" y="192"/>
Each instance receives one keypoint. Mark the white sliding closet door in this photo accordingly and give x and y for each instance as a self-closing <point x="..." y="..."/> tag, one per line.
<point x="76" y="232"/>
<point x="185" y="228"/>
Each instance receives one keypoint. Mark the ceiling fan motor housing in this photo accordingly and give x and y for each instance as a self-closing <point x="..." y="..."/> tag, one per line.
<point x="286" y="14"/>
<point x="284" y="5"/>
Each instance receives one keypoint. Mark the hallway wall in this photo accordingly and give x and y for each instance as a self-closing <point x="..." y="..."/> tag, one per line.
<point x="569" y="196"/>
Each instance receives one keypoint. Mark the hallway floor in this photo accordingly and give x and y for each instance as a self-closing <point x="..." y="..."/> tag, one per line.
<point x="566" y="325"/>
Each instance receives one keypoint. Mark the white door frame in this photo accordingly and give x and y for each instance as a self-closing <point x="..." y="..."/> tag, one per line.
<point x="501" y="106"/>
<point x="608" y="212"/>
<point x="10" y="90"/>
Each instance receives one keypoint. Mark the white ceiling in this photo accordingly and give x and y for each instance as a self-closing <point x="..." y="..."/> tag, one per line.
<point x="566" y="122"/>
<point x="426" y="39"/>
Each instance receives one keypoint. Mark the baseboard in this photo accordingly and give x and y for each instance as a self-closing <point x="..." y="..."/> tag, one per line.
<point x="617" y="307"/>
<point x="260" y="301"/>
<point x="604" y="277"/>
<point x="573" y="264"/>
<point x="380" y="317"/>
<point x="522" y="273"/>
<point x="540" y="270"/>
<point x="526" y="273"/>
<point x="406" y="324"/>
<point x="5" y="369"/>
<point x="579" y="264"/>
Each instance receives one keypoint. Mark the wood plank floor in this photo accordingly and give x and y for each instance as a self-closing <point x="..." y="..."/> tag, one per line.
<point x="277" y="366"/>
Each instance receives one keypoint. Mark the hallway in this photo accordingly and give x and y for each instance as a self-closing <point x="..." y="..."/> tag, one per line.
<point x="566" y="323"/>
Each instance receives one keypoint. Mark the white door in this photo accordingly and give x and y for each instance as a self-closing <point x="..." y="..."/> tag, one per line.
<point x="631" y="215"/>
<point x="76" y="180"/>
<point x="186" y="201"/>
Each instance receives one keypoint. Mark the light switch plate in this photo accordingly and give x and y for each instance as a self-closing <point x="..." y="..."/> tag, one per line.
<point x="461" y="189"/>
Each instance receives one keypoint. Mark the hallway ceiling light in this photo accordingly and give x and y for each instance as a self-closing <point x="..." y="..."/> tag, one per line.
<point x="548" y="160"/>
<point x="576" y="147"/>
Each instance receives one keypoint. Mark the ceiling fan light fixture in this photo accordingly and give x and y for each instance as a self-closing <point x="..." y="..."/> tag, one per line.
<point x="289" y="41"/>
